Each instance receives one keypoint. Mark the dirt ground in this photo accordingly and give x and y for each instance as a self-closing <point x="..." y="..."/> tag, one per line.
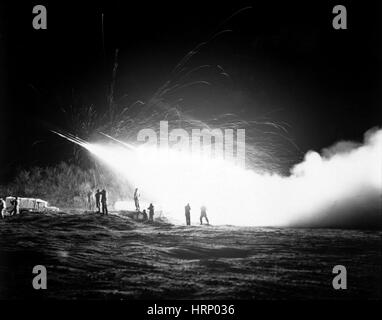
<point x="89" y="256"/>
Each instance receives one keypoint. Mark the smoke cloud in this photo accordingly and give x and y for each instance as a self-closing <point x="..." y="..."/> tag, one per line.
<point x="343" y="184"/>
<point x="341" y="187"/>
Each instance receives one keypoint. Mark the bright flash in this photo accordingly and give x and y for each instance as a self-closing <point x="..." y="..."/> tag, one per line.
<point x="234" y="195"/>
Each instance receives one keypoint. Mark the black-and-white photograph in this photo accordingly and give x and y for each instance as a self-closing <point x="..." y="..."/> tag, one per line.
<point x="190" y="151"/>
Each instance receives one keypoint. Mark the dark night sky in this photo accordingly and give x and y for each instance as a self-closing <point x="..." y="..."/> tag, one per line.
<point x="286" y="61"/>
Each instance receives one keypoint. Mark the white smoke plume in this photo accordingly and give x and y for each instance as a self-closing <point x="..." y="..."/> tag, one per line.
<point x="341" y="187"/>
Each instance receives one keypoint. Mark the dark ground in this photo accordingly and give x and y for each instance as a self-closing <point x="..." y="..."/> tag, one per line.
<point x="96" y="257"/>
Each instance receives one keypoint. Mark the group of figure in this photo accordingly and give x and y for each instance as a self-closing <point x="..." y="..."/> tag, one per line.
<point x="187" y="208"/>
<point x="138" y="208"/>
<point x="101" y="205"/>
<point x="101" y="201"/>
<point x="151" y="213"/>
<point x="15" y="210"/>
<point x="203" y="214"/>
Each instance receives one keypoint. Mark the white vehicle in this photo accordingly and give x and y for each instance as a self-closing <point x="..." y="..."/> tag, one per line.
<point x="29" y="205"/>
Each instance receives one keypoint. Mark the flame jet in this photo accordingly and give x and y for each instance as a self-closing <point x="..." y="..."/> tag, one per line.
<point x="321" y="189"/>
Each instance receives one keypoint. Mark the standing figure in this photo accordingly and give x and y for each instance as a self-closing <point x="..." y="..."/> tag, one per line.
<point x="151" y="212"/>
<point x="104" y="202"/>
<point x="97" y="199"/>
<point x="136" y="199"/>
<point x="203" y="213"/>
<point x="3" y="207"/>
<point x="187" y="210"/>
<point x="89" y="194"/>
<point x="16" y="206"/>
